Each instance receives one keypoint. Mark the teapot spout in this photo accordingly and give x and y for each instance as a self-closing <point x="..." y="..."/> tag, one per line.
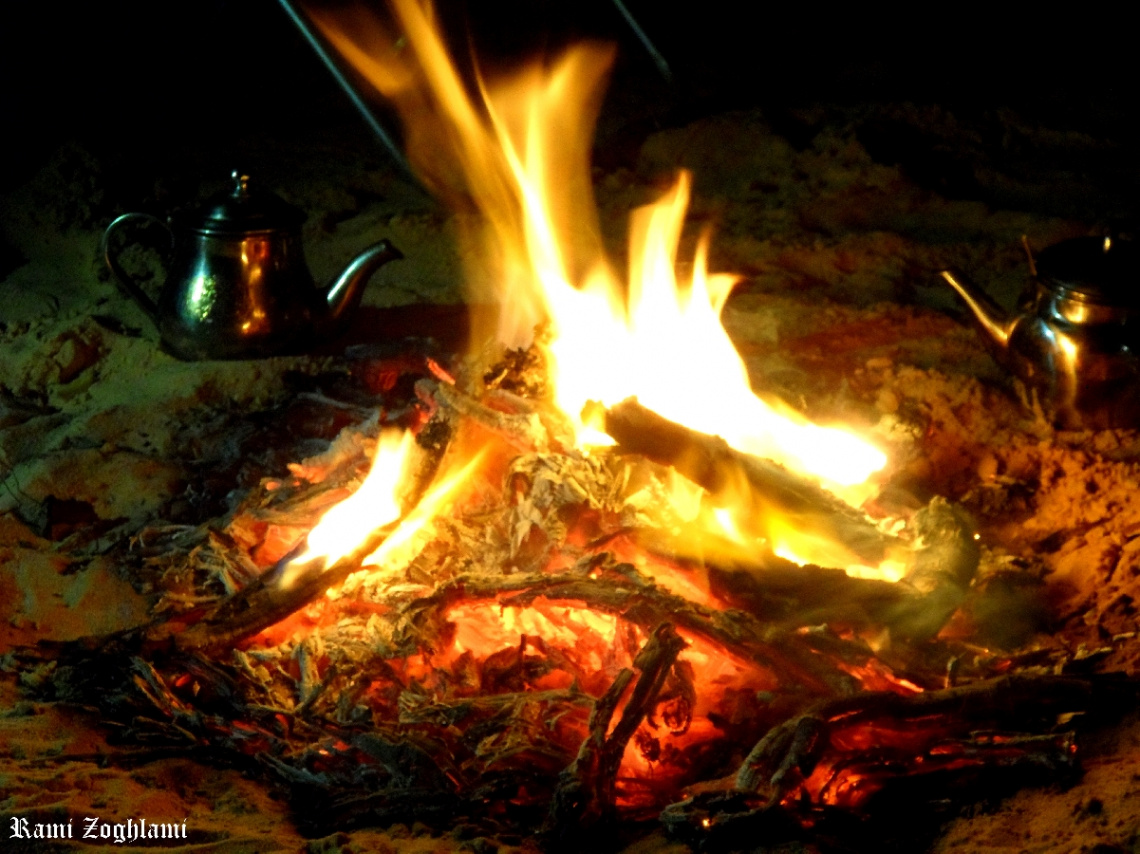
<point x="343" y="295"/>
<point x="991" y="319"/>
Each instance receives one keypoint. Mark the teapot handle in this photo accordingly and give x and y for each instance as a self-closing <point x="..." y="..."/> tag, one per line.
<point x="125" y="282"/>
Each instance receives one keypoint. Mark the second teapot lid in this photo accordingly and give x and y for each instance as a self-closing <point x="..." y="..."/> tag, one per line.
<point x="1102" y="269"/>
<point x="247" y="208"/>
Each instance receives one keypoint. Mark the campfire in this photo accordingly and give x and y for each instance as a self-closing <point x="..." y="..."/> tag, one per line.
<point x="581" y="577"/>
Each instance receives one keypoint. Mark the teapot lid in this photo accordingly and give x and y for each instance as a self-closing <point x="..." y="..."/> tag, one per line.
<point x="1101" y="269"/>
<point x="247" y="208"/>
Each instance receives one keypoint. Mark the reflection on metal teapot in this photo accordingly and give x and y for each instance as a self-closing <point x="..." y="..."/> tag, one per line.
<point x="237" y="284"/>
<point x="1075" y="341"/>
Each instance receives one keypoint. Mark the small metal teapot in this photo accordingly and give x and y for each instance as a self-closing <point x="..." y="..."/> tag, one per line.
<point x="1076" y="342"/>
<point x="237" y="284"/>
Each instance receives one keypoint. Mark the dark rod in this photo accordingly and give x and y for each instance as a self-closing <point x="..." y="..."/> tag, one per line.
<point x="347" y="87"/>
<point x="650" y="48"/>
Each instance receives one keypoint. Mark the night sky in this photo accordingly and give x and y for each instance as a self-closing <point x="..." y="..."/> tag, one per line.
<point x="128" y="77"/>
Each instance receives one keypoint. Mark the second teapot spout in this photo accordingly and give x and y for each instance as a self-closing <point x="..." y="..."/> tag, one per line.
<point x="343" y="295"/>
<point x="990" y="317"/>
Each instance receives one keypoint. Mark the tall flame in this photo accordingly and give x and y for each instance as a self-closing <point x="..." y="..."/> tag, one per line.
<point x="520" y="156"/>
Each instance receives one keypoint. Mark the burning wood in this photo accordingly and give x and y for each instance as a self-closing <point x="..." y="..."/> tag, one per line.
<point x="587" y="792"/>
<point x="583" y="690"/>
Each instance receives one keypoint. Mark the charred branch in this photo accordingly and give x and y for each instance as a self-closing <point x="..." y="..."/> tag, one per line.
<point x="1025" y="704"/>
<point x="876" y="769"/>
<point x="586" y="792"/>
<point x="620" y="590"/>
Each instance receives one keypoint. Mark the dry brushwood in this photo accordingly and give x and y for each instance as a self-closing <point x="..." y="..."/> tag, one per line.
<point x="525" y="432"/>
<point x="268" y="599"/>
<point x="360" y="736"/>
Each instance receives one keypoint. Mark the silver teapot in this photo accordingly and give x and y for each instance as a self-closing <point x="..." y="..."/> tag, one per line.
<point x="237" y="284"/>
<point x="1075" y="341"/>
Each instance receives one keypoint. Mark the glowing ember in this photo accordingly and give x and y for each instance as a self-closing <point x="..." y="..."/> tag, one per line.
<point x="522" y="158"/>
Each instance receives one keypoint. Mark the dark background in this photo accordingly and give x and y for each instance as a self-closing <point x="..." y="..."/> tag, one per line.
<point x="134" y="81"/>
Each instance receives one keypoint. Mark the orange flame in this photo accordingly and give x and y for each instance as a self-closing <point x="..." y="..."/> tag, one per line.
<point x="514" y="163"/>
<point x="521" y="156"/>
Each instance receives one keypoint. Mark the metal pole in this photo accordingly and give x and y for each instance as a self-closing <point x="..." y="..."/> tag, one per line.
<point x="348" y="89"/>
<point x="650" y="48"/>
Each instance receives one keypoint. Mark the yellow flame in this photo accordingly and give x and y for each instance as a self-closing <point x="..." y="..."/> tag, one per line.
<point x="514" y="164"/>
<point x="728" y="524"/>
<point x="374" y="504"/>
<point x="430" y="506"/>
<point x="667" y="347"/>
<point x="521" y="156"/>
<point x="821" y="553"/>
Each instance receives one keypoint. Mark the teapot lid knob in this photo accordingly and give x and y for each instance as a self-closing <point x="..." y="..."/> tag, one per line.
<point x="241" y="184"/>
<point x="246" y="208"/>
<point x="1100" y="269"/>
